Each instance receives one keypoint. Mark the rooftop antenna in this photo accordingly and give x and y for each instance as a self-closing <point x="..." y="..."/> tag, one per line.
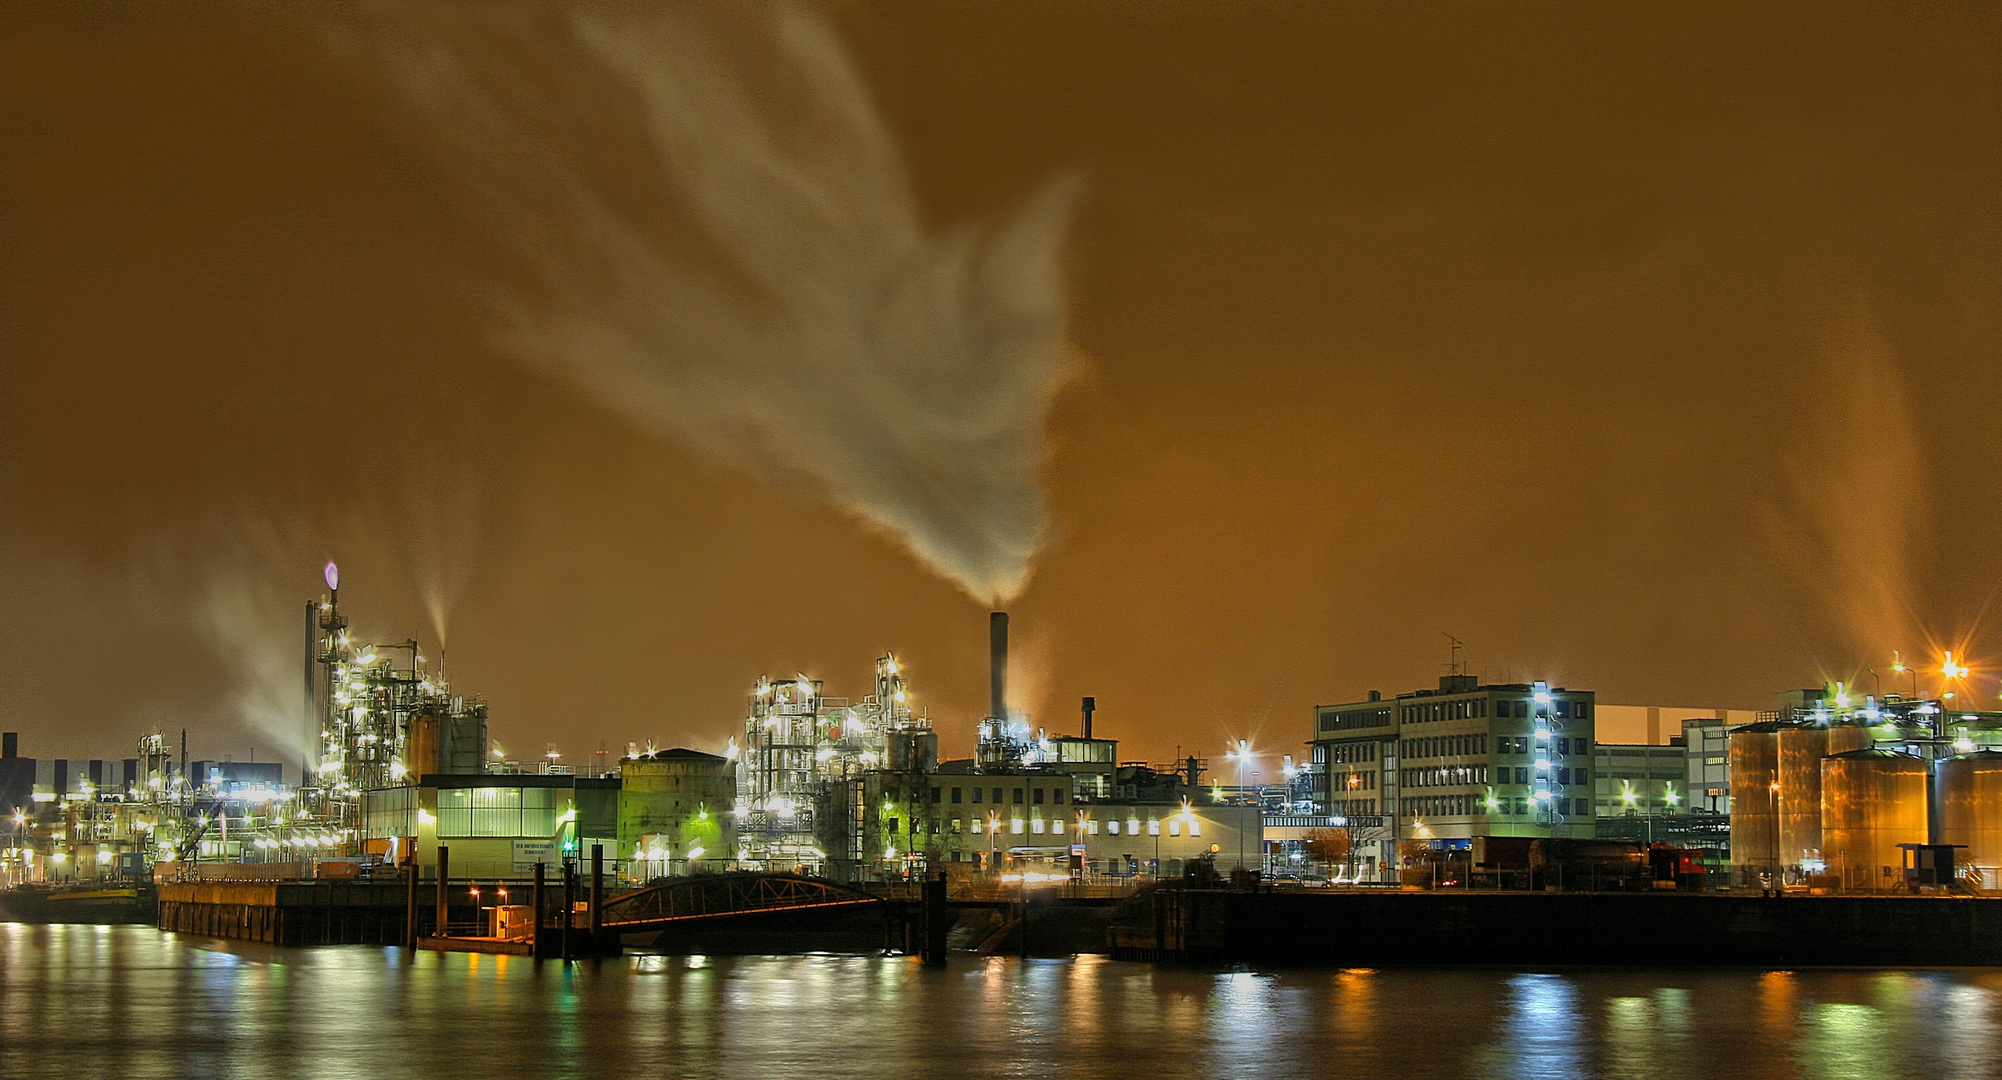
<point x="1454" y="665"/>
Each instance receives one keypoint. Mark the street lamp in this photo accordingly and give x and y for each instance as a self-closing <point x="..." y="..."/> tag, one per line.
<point x="1898" y="665"/>
<point x="993" y="823"/>
<point x="1243" y="755"/>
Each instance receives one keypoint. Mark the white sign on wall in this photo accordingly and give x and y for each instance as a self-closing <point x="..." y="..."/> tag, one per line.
<point x="529" y="852"/>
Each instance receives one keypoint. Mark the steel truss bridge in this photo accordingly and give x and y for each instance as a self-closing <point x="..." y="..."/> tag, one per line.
<point x="714" y="896"/>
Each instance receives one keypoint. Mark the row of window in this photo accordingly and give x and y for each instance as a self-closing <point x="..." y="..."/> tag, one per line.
<point x="1352" y="753"/>
<point x="508" y="811"/>
<point x="1431" y="711"/>
<point x="1173" y="826"/>
<point x="1444" y="776"/>
<point x="1353" y="808"/>
<point x="1356" y="718"/>
<point x="1563" y="776"/>
<point x="1365" y="781"/>
<point x="1437" y="806"/>
<point x="1445" y="746"/>
<point x="1056" y="795"/>
<point x="1477" y="745"/>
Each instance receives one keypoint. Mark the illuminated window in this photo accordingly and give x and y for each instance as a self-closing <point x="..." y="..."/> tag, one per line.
<point x="1036" y="826"/>
<point x="494" y="811"/>
<point x="956" y="823"/>
<point x="1091" y="827"/>
<point x="1015" y="826"/>
<point x="1112" y="827"/>
<point x="1174" y="827"/>
<point x="1195" y="827"/>
<point x="1133" y="826"/>
<point x="1153" y="828"/>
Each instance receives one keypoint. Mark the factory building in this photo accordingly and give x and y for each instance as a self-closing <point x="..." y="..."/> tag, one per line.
<point x="1707" y="760"/>
<point x="1836" y="793"/>
<point x="1030" y="820"/>
<point x="1629" y="779"/>
<point x="496" y="825"/>
<point x="855" y="791"/>
<point x="380" y="722"/>
<point x="674" y="812"/>
<point x="805" y="768"/>
<point x="1460" y="761"/>
<point x="1665" y="793"/>
<point x="70" y="819"/>
<point x="665" y="813"/>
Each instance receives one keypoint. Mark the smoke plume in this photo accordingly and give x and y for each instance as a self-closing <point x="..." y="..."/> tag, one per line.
<point x="258" y="632"/>
<point x="1858" y="490"/>
<point x="715" y="234"/>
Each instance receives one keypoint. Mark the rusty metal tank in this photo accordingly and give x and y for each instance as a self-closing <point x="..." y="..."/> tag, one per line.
<point x="1801" y="750"/>
<point x="1970" y="809"/>
<point x="1755" y="750"/>
<point x="1871" y="801"/>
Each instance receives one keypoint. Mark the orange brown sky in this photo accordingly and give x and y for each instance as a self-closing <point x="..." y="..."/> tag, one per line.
<point x="1647" y="350"/>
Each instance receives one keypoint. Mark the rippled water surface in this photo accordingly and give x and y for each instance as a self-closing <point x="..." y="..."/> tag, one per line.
<point x="132" y="1002"/>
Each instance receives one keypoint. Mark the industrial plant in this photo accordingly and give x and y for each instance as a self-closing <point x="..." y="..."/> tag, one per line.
<point x="1469" y="786"/>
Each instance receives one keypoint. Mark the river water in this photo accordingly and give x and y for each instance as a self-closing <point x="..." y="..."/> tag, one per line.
<point x="129" y="1001"/>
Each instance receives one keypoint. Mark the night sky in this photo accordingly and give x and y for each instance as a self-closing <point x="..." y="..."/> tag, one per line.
<point x="1647" y="350"/>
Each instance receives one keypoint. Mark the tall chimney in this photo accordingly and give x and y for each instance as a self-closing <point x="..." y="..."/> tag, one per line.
<point x="997" y="664"/>
<point x="1090" y="706"/>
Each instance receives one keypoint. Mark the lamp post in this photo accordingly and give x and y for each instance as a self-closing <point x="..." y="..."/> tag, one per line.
<point x="1775" y="789"/>
<point x="1081" y="826"/>
<point x="993" y="823"/>
<point x="1242" y="755"/>
<point x="1898" y="665"/>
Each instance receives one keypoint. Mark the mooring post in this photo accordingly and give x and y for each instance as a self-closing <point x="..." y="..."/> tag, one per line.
<point x="1024" y="925"/>
<point x="935" y="921"/>
<point x="410" y="905"/>
<point x="444" y="924"/>
<point x="535" y="947"/>
<point x="597" y="897"/>
<point x="569" y="907"/>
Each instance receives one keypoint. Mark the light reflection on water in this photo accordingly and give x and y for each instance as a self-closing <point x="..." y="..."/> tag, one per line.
<point x="132" y="1002"/>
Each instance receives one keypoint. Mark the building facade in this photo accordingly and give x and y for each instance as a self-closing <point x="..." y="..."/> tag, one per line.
<point x="675" y="812"/>
<point x="1464" y="760"/>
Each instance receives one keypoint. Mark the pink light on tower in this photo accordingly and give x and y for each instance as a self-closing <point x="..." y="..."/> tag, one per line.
<point x="333" y="577"/>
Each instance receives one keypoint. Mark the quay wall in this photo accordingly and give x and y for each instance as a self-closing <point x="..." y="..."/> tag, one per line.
<point x="289" y="913"/>
<point x="1368" y="929"/>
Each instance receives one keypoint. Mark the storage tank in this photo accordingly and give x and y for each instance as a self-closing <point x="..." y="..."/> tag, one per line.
<point x="1754" y="823"/>
<point x="1970" y="810"/>
<point x="1871" y="801"/>
<point x="1802" y="748"/>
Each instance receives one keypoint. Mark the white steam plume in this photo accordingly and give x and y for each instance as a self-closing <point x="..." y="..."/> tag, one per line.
<point x="762" y="287"/>
<point x="1858" y="490"/>
<point x="259" y="635"/>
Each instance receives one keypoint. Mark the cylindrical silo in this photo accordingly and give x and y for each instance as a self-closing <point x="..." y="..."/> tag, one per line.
<point x="1802" y="746"/>
<point x="1843" y="738"/>
<point x="1970" y="811"/>
<point x="1754" y="820"/>
<point x="1871" y="801"/>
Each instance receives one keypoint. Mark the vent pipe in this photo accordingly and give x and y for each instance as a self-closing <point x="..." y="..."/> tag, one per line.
<point x="997" y="664"/>
<point x="1090" y="706"/>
